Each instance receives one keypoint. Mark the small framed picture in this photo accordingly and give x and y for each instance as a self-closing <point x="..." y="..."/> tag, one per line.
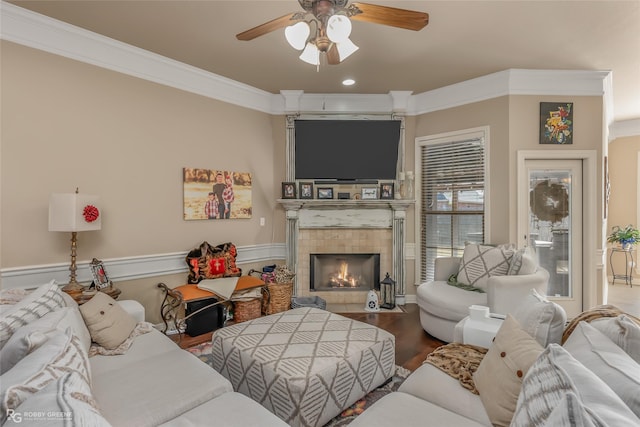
<point x="100" y="278"/>
<point x="386" y="190"/>
<point x="325" y="193"/>
<point x="369" y="193"/>
<point x="306" y="190"/>
<point x="288" y="190"/>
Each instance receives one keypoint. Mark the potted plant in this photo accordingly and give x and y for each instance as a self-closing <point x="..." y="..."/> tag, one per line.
<point x="627" y="236"/>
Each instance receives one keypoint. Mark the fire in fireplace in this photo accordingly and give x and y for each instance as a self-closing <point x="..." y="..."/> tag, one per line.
<point x="344" y="272"/>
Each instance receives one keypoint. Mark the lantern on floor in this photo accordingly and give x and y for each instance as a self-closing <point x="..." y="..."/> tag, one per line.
<point x="388" y="293"/>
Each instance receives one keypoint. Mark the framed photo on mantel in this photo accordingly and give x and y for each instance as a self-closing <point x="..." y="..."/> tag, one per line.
<point x="325" y="193"/>
<point x="369" y="193"/>
<point x="288" y="190"/>
<point x="306" y="190"/>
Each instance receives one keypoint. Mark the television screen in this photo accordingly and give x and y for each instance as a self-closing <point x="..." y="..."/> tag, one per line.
<point x="347" y="150"/>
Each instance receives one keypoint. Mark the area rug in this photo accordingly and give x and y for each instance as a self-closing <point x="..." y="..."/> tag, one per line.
<point x="203" y="352"/>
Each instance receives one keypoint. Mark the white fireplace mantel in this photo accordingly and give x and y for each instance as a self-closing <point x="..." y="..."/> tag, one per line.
<point x="359" y="214"/>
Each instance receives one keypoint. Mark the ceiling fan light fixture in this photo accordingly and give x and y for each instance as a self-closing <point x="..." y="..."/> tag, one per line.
<point x="346" y="48"/>
<point x="338" y="28"/>
<point x="310" y="54"/>
<point x="297" y="35"/>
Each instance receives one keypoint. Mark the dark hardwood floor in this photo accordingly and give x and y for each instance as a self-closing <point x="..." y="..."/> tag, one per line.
<point x="413" y="344"/>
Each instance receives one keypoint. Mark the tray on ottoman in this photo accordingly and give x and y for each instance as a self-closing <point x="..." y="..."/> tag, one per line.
<point x="305" y="365"/>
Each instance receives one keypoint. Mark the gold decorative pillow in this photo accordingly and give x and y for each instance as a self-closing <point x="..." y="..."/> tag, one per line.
<point x="500" y="374"/>
<point x="108" y="323"/>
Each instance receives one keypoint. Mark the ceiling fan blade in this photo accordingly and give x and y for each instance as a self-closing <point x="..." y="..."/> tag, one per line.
<point x="267" y="27"/>
<point x="333" y="57"/>
<point x="394" y="17"/>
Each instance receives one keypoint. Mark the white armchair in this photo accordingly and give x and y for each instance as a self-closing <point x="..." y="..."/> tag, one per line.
<point x="442" y="306"/>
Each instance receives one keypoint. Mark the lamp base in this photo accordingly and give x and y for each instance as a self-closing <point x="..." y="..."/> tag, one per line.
<point x="73" y="288"/>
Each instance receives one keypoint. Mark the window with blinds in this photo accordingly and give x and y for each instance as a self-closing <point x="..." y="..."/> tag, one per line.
<point x="452" y="199"/>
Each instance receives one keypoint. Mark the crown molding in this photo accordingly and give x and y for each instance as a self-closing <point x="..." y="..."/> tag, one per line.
<point x="624" y="128"/>
<point x="130" y="268"/>
<point x="41" y="32"/>
<point x="34" y="30"/>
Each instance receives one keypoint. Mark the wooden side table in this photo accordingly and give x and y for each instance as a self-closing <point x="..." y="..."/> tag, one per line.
<point x="85" y="296"/>
<point x="175" y="299"/>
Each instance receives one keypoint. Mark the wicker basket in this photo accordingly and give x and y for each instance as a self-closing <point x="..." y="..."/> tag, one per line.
<point x="246" y="309"/>
<point x="277" y="297"/>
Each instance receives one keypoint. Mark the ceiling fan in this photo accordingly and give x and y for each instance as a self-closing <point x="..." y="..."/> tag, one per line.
<point x="330" y="21"/>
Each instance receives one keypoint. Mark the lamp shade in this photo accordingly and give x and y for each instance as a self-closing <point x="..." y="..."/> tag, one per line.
<point x="74" y="212"/>
<point x="310" y="54"/>
<point x="338" y="28"/>
<point x="346" y="48"/>
<point x="297" y="35"/>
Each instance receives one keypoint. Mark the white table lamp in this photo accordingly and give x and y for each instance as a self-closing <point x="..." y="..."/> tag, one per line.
<point x="73" y="212"/>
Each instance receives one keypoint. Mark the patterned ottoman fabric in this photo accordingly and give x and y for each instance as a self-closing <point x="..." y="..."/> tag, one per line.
<point x="305" y="365"/>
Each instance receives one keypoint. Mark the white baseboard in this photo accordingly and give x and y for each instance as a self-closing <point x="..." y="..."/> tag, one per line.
<point x="130" y="268"/>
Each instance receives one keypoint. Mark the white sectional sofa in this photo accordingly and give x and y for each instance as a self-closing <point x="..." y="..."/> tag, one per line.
<point x="591" y="380"/>
<point x="48" y="376"/>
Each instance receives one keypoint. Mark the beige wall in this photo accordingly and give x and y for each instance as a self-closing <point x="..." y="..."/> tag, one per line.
<point x="495" y="114"/>
<point x="66" y="124"/>
<point x="623" y="202"/>
<point x="514" y="125"/>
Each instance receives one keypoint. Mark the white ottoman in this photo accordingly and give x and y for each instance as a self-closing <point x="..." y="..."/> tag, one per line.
<point x="305" y="365"/>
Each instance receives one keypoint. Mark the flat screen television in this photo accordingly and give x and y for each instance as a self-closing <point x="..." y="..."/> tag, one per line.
<point x="346" y="150"/>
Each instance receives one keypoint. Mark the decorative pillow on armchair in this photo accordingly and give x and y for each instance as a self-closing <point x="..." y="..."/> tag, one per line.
<point x="523" y="262"/>
<point x="479" y="262"/>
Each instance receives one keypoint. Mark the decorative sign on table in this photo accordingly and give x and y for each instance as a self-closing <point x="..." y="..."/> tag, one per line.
<point x="216" y="194"/>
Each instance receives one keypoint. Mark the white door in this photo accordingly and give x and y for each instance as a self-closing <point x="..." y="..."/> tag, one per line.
<point x="550" y="220"/>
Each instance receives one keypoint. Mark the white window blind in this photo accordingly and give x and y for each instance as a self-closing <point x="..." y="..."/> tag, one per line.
<point x="452" y="199"/>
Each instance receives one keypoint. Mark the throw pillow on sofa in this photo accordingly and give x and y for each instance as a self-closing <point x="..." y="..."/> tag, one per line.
<point x="623" y="331"/>
<point x="31" y="336"/>
<point x="59" y="355"/>
<point x="609" y="362"/>
<point x="108" y="323"/>
<point x="500" y="374"/>
<point x="45" y="299"/>
<point x="479" y="262"/>
<point x="556" y="373"/>
<point x="542" y="319"/>
<point x="65" y="401"/>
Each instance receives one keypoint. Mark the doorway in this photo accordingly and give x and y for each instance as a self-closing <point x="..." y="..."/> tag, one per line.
<point x="552" y="217"/>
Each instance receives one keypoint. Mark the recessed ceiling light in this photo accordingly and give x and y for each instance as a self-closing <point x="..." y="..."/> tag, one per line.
<point x="348" y="82"/>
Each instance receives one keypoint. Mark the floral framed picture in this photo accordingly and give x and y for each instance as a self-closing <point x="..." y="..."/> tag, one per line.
<point x="556" y="123"/>
<point x="288" y="190"/>
<point x="306" y="190"/>
<point x="386" y="190"/>
<point x="325" y="193"/>
<point x="369" y="193"/>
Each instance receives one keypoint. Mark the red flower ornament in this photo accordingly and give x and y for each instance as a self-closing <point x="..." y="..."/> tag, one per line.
<point x="90" y="213"/>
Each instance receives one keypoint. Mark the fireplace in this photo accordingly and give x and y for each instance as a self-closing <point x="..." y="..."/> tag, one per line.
<point x="344" y="272"/>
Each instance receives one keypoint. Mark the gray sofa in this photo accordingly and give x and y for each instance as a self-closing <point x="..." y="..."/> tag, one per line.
<point x="153" y="383"/>
<point x="442" y="306"/>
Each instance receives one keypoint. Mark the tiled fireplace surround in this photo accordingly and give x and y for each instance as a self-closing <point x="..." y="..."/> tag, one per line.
<point x="346" y="226"/>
